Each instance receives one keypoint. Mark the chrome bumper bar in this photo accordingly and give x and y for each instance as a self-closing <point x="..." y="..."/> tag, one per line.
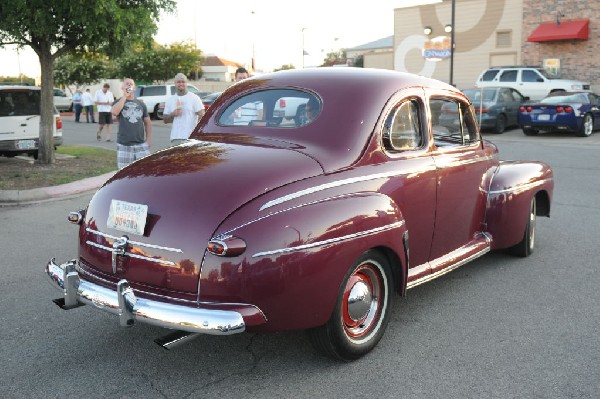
<point x="123" y="302"/>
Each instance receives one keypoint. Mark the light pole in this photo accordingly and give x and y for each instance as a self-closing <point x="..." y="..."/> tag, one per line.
<point x="303" y="50"/>
<point x="452" y="44"/>
<point x="253" y="41"/>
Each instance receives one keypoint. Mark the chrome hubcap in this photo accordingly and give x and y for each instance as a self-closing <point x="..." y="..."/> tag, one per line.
<point x="362" y="301"/>
<point x="359" y="301"/>
<point x="588" y="125"/>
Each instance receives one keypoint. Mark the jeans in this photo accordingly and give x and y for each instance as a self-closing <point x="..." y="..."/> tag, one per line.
<point x="89" y="113"/>
<point x="78" y="108"/>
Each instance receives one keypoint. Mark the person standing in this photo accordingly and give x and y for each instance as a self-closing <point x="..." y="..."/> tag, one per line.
<point x="135" y="130"/>
<point x="249" y="111"/>
<point x="104" y="100"/>
<point x="88" y="103"/>
<point x="182" y="109"/>
<point x="77" y="104"/>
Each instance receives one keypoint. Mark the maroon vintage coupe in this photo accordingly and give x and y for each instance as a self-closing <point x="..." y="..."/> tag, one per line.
<point x="266" y="223"/>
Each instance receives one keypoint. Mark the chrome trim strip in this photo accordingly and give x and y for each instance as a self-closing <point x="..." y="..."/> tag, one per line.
<point x="326" y="186"/>
<point x="448" y="269"/>
<point x="109" y="249"/>
<point x="330" y="241"/>
<point x="228" y="232"/>
<point x="130" y="308"/>
<point x="137" y="243"/>
<point x="522" y="187"/>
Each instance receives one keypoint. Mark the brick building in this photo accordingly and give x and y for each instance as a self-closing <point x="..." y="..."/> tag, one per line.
<point x="499" y="32"/>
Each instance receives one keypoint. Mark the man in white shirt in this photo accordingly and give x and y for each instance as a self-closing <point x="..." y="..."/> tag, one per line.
<point x="104" y="100"/>
<point x="182" y="109"/>
<point x="87" y="101"/>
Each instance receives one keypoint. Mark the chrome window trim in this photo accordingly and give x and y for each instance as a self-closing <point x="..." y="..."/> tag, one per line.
<point x="329" y="241"/>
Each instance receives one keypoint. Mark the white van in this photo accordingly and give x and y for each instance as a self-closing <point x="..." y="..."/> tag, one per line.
<point x="20" y="121"/>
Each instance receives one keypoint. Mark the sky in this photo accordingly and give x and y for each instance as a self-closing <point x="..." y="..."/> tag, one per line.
<point x="273" y="31"/>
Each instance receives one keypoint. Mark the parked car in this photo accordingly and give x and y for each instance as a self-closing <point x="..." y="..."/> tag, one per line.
<point x="20" y="121"/>
<point x="496" y="108"/>
<point x="531" y="82"/>
<point x="290" y="108"/>
<point x="270" y="226"/>
<point x="62" y="101"/>
<point x="571" y="112"/>
<point x="210" y="98"/>
<point x="155" y="95"/>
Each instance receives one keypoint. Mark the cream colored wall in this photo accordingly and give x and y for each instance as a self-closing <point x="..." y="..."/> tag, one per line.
<point x="477" y="23"/>
<point x="380" y="60"/>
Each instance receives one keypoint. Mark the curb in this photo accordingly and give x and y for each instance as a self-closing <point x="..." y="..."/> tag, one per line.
<point x="21" y="197"/>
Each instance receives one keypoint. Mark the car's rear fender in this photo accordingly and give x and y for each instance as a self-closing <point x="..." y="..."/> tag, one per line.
<point x="296" y="257"/>
<point x="512" y="188"/>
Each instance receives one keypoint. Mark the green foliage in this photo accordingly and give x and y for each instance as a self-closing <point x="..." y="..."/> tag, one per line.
<point x="17" y="79"/>
<point x="82" y="69"/>
<point x="56" y="27"/>
<point x="335" y="58"/>
<point x="284" y="67"/>
<point x="160" y="63"/>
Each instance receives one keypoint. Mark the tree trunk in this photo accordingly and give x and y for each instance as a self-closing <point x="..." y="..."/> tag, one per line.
<point x="46" y="143"/>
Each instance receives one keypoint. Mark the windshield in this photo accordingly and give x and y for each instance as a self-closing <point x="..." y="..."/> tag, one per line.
<point x="568" y="99"/>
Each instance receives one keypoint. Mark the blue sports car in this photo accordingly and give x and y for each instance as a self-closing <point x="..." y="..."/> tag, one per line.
<point x="563" y="111"/>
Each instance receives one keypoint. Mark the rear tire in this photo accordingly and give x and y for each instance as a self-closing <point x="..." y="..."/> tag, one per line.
<point x="500" y="124"/>
<point x="586" y="127"/>
<point x="361" y="313"/>
<point x="526" y="246"/>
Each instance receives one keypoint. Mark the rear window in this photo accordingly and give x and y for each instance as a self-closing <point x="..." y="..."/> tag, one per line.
<point x="276" y="108"/>
<point x="19" y="102"/>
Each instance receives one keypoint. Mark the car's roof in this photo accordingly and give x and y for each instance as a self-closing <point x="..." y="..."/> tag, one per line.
<point x="352" y="101"/>
<point x="19" y="87"/>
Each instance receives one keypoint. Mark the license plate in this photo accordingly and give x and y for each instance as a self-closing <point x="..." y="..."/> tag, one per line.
<point x="127" y="217"/>
<point x="543" y="117"/>
<point x="26" y="144"/>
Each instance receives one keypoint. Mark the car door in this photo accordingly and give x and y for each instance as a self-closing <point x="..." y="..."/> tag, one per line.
<point x="405" y="141"/>
<point x="463" y="169"/>
<point x="532" y="84"/>
<point x="512" y="103"/>
<point x="595" y="109"/>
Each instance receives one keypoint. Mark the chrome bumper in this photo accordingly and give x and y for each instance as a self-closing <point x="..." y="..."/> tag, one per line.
<point x="123" y="302"/>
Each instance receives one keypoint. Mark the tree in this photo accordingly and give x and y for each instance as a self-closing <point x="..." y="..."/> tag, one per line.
<point x="56" y="27"/>
<point x="81" y="69"/>
<point x="335" y="58"/>
<point x="284" y="67"/>
<point x="160" y="63"/>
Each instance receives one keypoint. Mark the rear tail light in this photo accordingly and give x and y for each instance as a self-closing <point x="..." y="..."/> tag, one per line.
<point x="559" y="109"/>
<point x="521" y="109"/>
<point x="282" y="103"/>
<point x="58" y="123"/>
<point x="568" y="109"/>
<point x="529" y="109"/>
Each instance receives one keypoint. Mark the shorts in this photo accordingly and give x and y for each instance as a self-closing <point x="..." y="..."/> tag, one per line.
<point x="126" y="154"/>
<point x="105" y="118"/>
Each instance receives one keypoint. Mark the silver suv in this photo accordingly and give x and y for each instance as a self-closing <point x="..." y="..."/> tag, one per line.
<point x="532" y="82"/>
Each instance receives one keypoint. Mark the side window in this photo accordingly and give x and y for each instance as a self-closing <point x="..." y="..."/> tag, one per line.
<point x="155" y="91"/>
<point x="489" y="75"/>
<point x="402" y="130"/>
<point x="454" y="124"/>
<point x="530" y="76"/>
<point x="173" y="89"/>
<point x="509" y="76"/>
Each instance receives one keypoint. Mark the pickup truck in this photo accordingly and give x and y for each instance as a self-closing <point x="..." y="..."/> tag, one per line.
<point x="155" y="95"/>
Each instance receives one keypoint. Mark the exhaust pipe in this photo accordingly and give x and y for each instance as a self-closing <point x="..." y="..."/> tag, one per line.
<point x="175" y="339"/>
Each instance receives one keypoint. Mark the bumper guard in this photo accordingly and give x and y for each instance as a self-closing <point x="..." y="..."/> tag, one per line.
<point x="123" y="302"/>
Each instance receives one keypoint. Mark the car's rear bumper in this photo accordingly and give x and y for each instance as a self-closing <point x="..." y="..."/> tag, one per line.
<point x="124" y="303"/>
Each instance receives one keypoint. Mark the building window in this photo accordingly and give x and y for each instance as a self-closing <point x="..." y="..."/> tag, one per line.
<point x="504" y="38"/>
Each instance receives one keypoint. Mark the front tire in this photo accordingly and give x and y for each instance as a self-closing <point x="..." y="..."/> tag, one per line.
<point x="361" y="313"/>
<point x="586" y="127"/>
<point x="156" y="115"/>
<point x="530" y="132"/>
<point x="526" y="246"/>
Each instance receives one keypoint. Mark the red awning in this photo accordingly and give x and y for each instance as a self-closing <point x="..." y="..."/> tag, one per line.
<point x="565" y="30"/>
